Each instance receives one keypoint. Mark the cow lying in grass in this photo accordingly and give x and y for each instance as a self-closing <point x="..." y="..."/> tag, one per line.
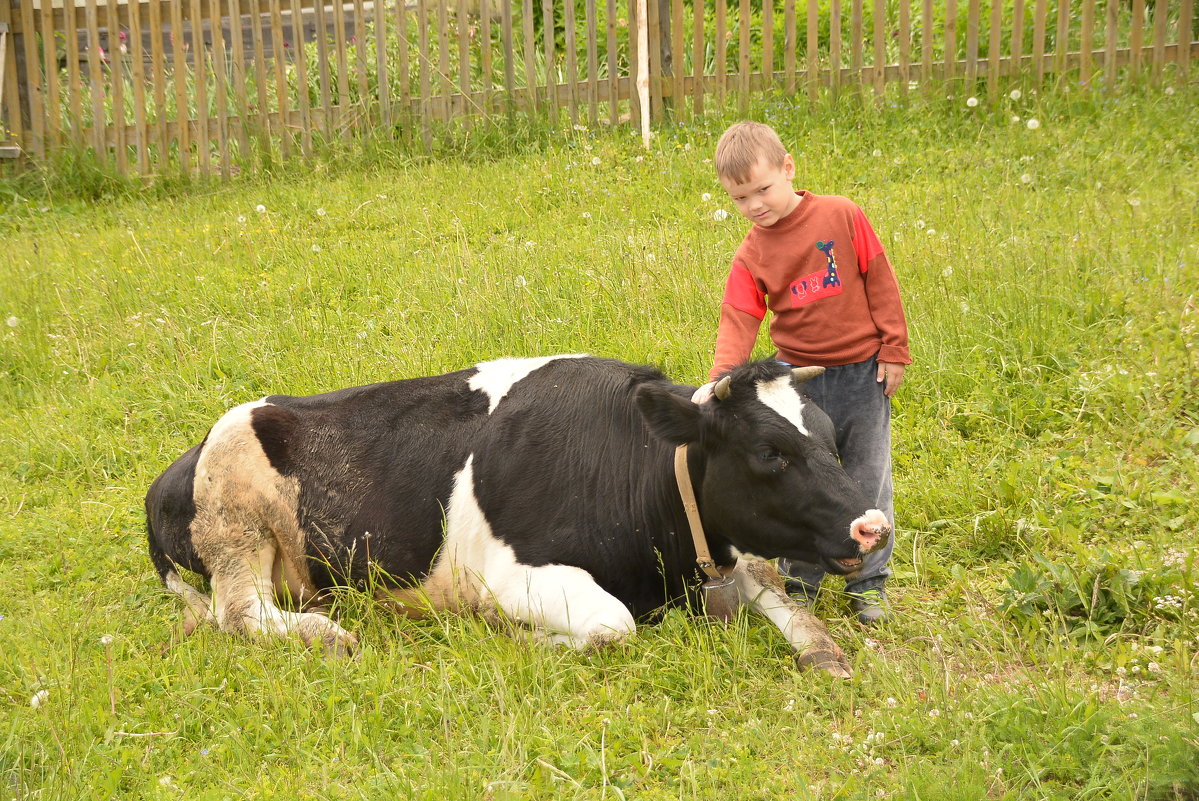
<point x="543" y="489"/>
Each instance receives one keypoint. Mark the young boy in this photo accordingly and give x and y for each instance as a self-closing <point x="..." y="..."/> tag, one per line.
<point x="816" y="264"/>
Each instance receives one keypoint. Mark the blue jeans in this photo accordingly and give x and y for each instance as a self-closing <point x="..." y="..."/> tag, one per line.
<point x="861" y="415"/>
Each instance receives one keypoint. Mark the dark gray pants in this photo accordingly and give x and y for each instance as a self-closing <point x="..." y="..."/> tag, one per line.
<point x="861" y="415"/>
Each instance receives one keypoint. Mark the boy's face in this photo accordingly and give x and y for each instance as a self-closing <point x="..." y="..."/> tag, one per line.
<point x="768" y="195"/>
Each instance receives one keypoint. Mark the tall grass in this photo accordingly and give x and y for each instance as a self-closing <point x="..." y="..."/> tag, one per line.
<point x="1047" y="459"/>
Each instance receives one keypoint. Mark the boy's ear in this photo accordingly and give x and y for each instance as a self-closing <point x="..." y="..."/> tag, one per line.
<point x="674" y="419"/>
<point x="789" y="167"/>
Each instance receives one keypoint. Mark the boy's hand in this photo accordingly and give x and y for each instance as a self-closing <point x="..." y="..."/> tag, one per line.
<point x="890" y="376"/>
<point x="704" y="393"/>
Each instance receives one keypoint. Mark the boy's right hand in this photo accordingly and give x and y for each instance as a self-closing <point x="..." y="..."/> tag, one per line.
<point x="704" y="393"/>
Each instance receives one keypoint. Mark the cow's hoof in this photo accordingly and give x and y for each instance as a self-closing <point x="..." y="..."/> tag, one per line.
<point x="820" y="659"/>
<point x="321" y="632"/>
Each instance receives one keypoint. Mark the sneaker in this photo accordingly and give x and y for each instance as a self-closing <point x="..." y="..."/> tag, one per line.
<point x="870" y="605"/>
<point x="801" y="592"/>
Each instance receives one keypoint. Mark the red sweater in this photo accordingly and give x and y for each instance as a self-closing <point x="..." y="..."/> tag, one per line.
<point x="821" y="270"/>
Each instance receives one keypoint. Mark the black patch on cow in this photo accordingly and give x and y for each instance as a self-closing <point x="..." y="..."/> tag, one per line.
<point x="274" y="428"/>
<point x="170" y="509"/>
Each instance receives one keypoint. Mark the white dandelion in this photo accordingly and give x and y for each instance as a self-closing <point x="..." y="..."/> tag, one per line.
<point x="1033" y="124"/>
<point x="1016" y="94"/>
<point x="720" y="214"/>
<point x="261" y="209"/>
<point x="40" y="697"/>
<point x="972" y="102"/>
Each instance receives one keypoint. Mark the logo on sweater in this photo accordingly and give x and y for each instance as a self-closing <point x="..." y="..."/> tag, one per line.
<point x="820" y="284"/>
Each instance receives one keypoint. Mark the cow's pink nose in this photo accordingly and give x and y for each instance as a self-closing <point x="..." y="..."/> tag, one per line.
<point x="870" y="531"/>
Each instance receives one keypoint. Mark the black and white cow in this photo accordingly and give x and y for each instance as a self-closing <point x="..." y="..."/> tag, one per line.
<point x="542" y="488"/>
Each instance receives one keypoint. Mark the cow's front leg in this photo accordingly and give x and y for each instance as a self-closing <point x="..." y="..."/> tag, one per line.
<point x="761" y="587"/>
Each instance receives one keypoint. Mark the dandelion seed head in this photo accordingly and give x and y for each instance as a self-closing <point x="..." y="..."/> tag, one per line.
<point x="972" y="102"/>
<point x="261" y="209"/>
<point x="1015" y="94"/>
<point x="706" y="196"/>
<point x="1026" y="178"/>
<point x="1033" y="123"/>
<point x="720" y="214"/>
<point x="321" y="212"/>
<point x="12" y="321"/>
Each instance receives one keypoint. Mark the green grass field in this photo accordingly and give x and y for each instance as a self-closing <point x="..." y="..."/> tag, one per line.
<point x="1046" y="636"/>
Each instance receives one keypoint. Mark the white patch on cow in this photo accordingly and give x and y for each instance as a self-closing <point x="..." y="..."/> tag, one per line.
<point x="497" y="378"/>
<point x="779" y="394"/>
<point x="562" y="604"/>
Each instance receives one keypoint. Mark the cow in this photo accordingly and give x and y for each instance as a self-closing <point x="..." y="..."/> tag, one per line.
<point x="540" y="490"/>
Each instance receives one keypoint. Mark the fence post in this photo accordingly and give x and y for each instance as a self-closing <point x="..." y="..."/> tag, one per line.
<point x="10" y="107"/>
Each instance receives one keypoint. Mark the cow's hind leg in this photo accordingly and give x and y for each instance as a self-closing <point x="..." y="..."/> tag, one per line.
<point x="760" y="586"/>
<point x="563" y="605"/>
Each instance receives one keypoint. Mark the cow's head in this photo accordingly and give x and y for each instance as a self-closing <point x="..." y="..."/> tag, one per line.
<point x="772" y="484"/>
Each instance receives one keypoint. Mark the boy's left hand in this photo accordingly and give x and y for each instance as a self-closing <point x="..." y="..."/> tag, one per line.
<point x="890" y="376"/>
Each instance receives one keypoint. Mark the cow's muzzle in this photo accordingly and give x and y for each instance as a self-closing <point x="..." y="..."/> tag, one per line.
<point x="870" y="531"/>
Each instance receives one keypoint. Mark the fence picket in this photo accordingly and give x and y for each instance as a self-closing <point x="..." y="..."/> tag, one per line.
<point x="179" y="73"/>
<point x="767" y="43"/>
<point x="1186" y="27"/>
<point x="951" y="40"/>
<point x="878" y="69"/>
<point x="743" y="63"/>
<point x="1016" y="66"/>
<point x="722" y="51"/>
<point x="138" y="65"/>
<point x="1086" y="42"/>
<point x="698" y="57"/>
<point x="240" y="97"/>
<point x="1040" y="17"/>
<point x="220" y="74"/>
<point x="995" y="37"/>
<point x="53" y="100"/>
<point x="95" y="55"/>
<point x="1136" y="36"/>
<point x="33" y="85"/>
<point x="789" y="45"/>
<point x="297" y="28"/>
<point x="834" y="47"/>
<point x="813" y="20"/>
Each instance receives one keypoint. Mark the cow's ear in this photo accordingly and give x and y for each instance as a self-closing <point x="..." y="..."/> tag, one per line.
<point x="674" y="419"/>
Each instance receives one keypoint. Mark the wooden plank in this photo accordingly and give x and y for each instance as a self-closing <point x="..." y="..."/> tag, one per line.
<point x="138" y="64"/>
<point x="905" y="46"/>
<point x="1086" y="42"/>
<point x="698" y="57"/>
<point x="743" y="45"/>
<point x="973" y="14"/>
<point x="1159" y="40"/>
<point x="1040" y="20"/>
<point x="34" y="82"/>
<point x="9" y="86"/>
<point x="179" y="73"/>
<point x="677" y="55"/>
<point x="240" y="97"/>
<point x="592" y="64"/>
<point x="95" y="70"/>
<point x="790" y="45"/>
<point x="856" y="42"/>
<point x="951" y="39"/>
<point x="509" y="56"/>
<point x="53" y="97"/>
<point x="279" y="57"/>
<point x="325" y="70"/>
<point x="297" y="28"/>
<point x="1186" y="28"/>
<point x="261" y="84"/>
<point x="835" y="24"/>
<point x="200" y="76"/>
<point x="422" y="30"/>
<point x="485" y="59"/>
<point x="116" y="62"/>
<point x="220" y="76"/>
<point x="1136" y="36"/>
<point x="813" y="53"/>
<point x="382" y="78"/>
<point x="994" y="39"/>
<point x="547" y="42"/>
<point x="340" y="52"/>
<point x="634" y="93"/>
<point x="360" y="58"/>
<point x="926" y="45"/>
<point x="1061" y="42"/>
<point x="1016" y="67"/>
<point x="572" y="61"/>
<point x="463" y="58"/>
<point x="529" y="52"/>
<point x="767" y="42"/>
<point x="1112" y="33"/>
<point x="879" y="67"/>
<point x="613" y="66"/>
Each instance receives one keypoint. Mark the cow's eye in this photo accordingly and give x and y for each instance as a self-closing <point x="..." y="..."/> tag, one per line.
<point x="772" y="457"/>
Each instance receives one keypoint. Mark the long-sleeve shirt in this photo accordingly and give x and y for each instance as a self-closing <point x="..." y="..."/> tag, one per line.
<point x="822" y="272"/>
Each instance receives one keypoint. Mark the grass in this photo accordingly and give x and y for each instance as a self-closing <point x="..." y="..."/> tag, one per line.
<point x="1047" y="459"/>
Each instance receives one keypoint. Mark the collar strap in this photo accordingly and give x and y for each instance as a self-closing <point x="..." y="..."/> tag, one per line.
<point x="703" y="557"/>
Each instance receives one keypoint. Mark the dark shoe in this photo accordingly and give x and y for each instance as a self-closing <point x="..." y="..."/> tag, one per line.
<point x="871" y="606"/>
<point x="801" y="592"/>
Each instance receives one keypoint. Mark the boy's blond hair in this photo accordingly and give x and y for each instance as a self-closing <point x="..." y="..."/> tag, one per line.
<point x="743" y="145"/>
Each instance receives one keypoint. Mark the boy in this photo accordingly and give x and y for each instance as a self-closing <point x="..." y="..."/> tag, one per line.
<point x="816" y="264"/>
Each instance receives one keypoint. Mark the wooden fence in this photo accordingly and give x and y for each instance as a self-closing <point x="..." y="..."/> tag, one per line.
<point x="211" y="86"/>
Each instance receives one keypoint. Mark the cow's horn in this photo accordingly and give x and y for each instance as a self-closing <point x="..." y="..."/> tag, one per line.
<point x="802" y="374"/>
<point x="721" y="390"/>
